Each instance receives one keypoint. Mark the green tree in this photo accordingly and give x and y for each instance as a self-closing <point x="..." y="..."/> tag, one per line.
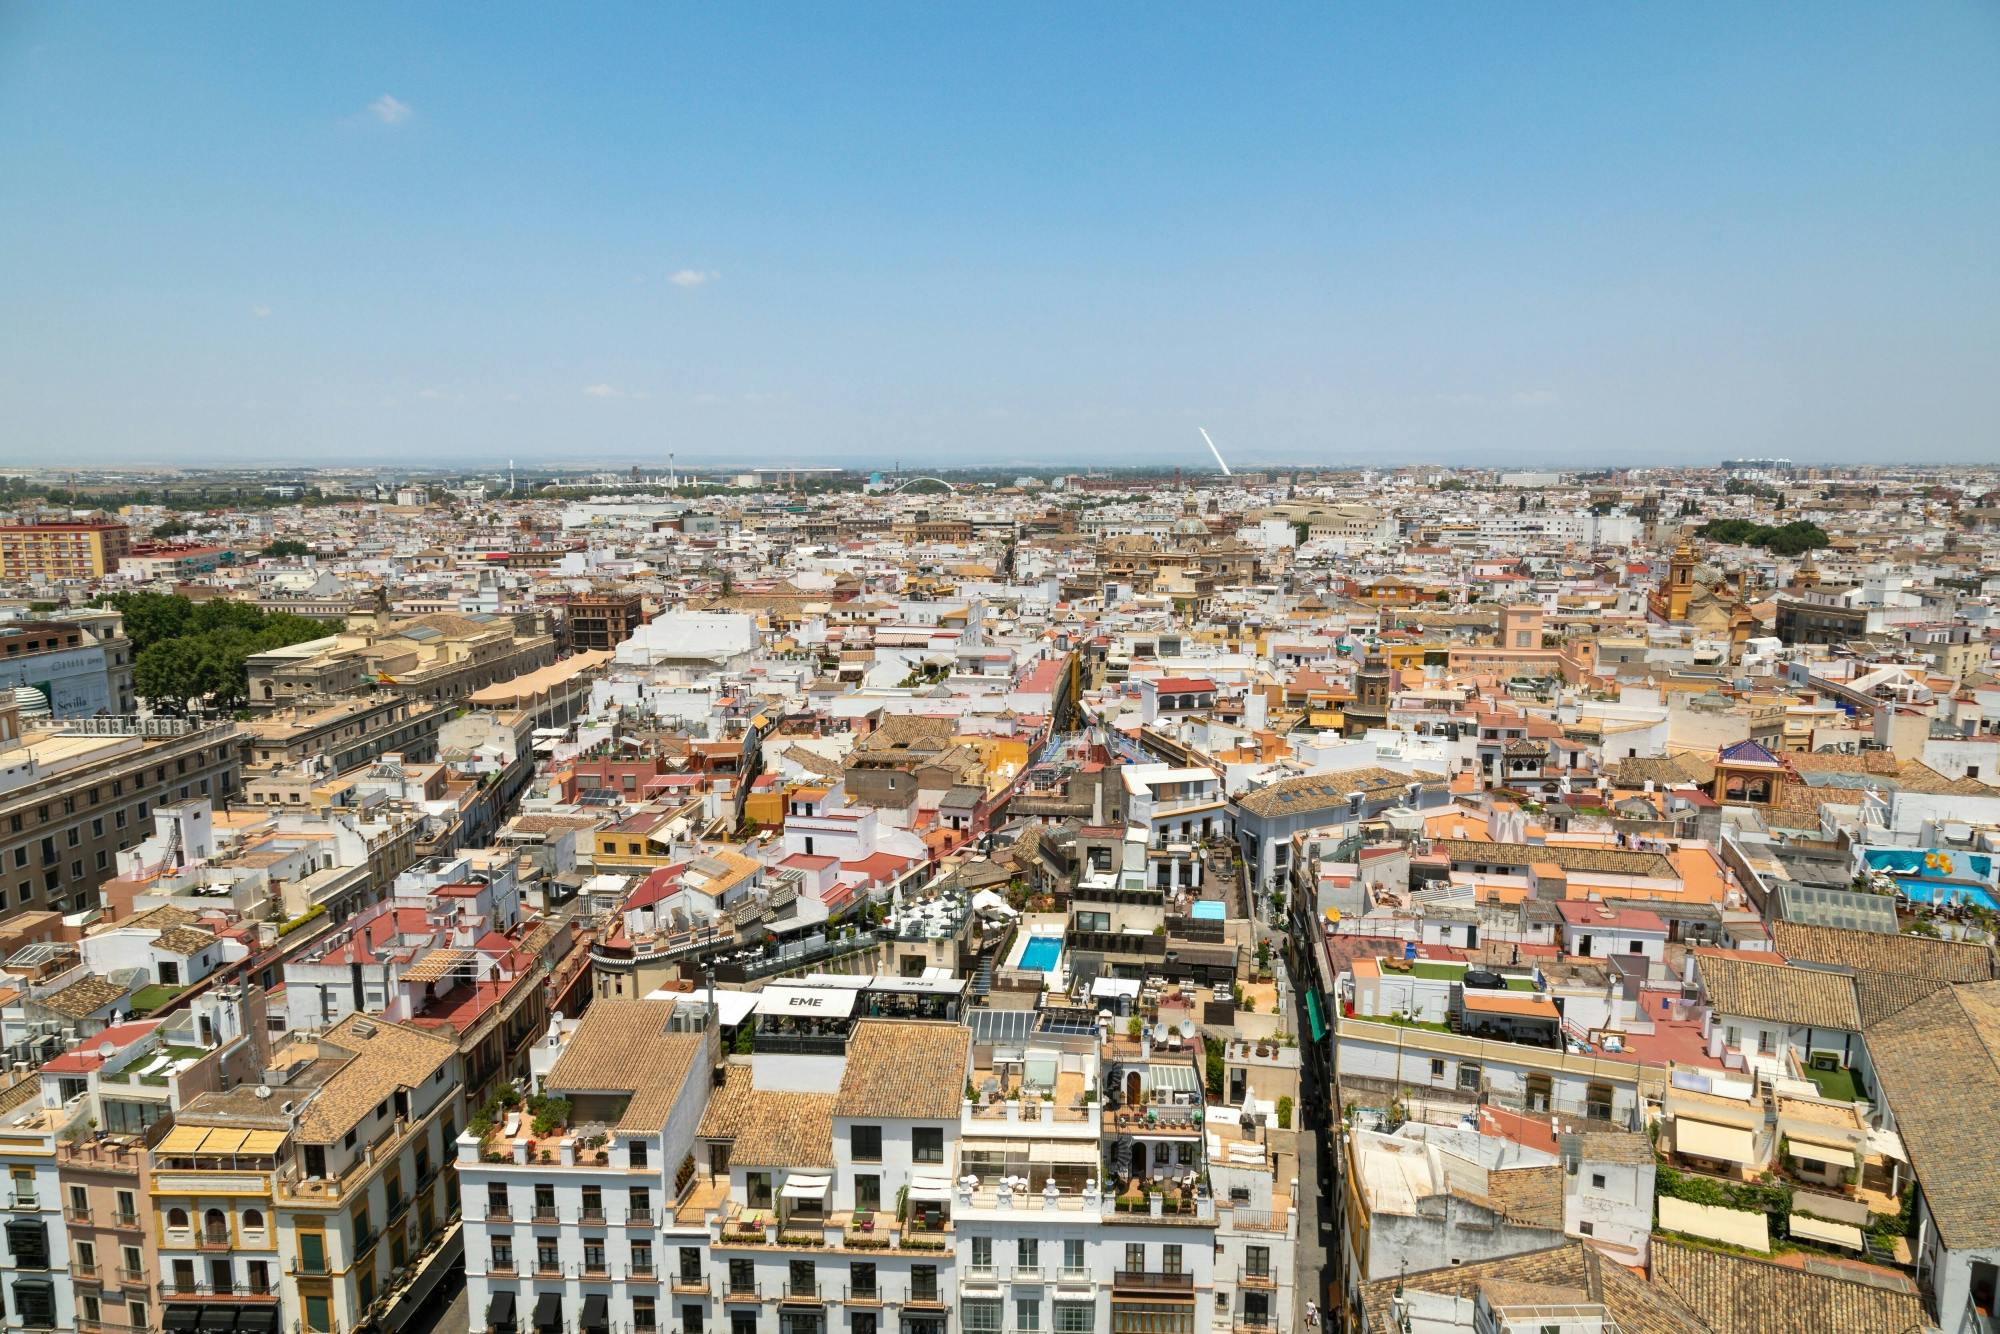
<point x="287" y="547"/>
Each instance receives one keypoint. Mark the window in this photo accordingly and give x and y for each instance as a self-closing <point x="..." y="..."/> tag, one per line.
<point x="861" y="1279"/>
<point x="982" y="1252"/>
<point x="1072" y="1254"/>
<point x="638" y="1153"/>
<point x="927" y="1144"/>
<point x="802" y="1280"/>
<point x="177" y="1219"/>
<point x="923" y="1283"/>
<point x="1151" y="1318"/>
<point x="865" y="1143"/>
<point x="642" y="1314"/>
<point x="503" y="1254"/>
<point x="1074" y="1317"/>
<point x="742" y="1276"/>
<point x="319" y="1313"/>
<point x="1257" y="1261"/>
<point x="1170" y="1259"/>
<point x="757" y="1189"/>
<point x="593" y="1255"/>
<point x="312" y="1256"/>
<point x="642" y="1257"/>
<point x="980" y="1316"/>
<point x="35" y="1302"/>
<point x="1588" y="1229"/>
<point x="1028" y="1314"/>
<point x="1597" y="1181"/>
<point x="868" y="1193"/>
<point x="1437" y="1068"/>
<point x="547" y="1256"/>
<point x="1135" y="1258"/>
<point x="691" y="1268"/>
<point x="1028" y="1253"/>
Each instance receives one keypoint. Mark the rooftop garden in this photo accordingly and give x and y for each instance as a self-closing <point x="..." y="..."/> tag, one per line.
<point x="1836" y="1085"/>
<point x="150" y="998"/>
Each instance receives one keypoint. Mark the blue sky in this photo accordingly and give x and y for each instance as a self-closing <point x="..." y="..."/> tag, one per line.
<point x="1003" y="234"/>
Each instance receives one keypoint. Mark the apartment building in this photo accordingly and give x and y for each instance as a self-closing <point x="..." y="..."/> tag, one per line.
<point x="211" y="1209"/>
<point x="571" y="1197"/>
<point x="113" y="1262"/>
<point x="365" y="1210"/>
<point x="82" y="549"/>
<point x="74" y="793"/>
<point x="35" y="1279"/>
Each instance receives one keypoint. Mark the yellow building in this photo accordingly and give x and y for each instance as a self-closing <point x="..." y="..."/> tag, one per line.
<point x="209" y="1187"/>
<point x="86" y="549"/>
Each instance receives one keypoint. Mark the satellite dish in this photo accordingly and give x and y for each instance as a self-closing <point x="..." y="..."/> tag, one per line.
<point x="1160" y="1032"/>
<point x="107" y="1050"/>
<point x="1187" y="1028"/>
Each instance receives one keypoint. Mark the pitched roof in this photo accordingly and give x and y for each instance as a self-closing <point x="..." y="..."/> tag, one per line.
<point x="1939" y="1067"/>
<point x="911" y="1070"/>
<point x="1309" y="793"/>
<point x="768" y="1127"/>
<point x="387" y="1056"/>
<point x="1737" y="1294"/>
<point x="1603" y="861"/>
<point x="623" y="1046"/>
<point x="1778" y="992"/>
<point x="1634" y="1305"/>
<point x="1880" y="952"/>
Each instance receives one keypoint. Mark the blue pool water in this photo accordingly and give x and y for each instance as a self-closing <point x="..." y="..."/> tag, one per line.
<point x="1919" y="892"/>
<point x="1209" y="910"/>
<point x="1041" y="953"/>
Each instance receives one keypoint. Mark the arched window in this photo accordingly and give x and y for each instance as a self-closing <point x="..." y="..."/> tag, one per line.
<point x="253" y="1220"/>
<point x="177" y="1218"/>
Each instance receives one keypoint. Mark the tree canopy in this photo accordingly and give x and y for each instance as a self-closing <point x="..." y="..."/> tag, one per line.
<point x="1791" y="539"/>
<point x="191" y="654"/>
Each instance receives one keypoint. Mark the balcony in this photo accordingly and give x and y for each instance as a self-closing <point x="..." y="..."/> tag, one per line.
<point x="591" y="1217"/>
<point x="1145" y="1280"/>
<point x="1074" y="1276"/>
<point x="176" y="1289"/>
<point x="1257" y="1280"/>
<point x="130" y="1278"/>
<point x="498" y="1213"/>
<point x="500" y="1265"/>
<point x="806" y="1294"/>
<point x="924" y="1296"/>
<point x="213" y="1239"/>
<point x="543" y="1213"/>
<point x="125" y="1220"/>
<point x="744" y="1291"/>
<point x="639" y="1218"/>
<point x="77" y="1215"/>
<point x="82" y="1272"/>
<point x="868" y="1294"/>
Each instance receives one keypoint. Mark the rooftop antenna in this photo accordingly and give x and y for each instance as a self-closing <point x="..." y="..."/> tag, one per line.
<point x="1213" y="450"/>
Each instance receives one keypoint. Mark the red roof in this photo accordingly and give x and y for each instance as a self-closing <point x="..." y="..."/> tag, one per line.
<point x="1182" y="685"/>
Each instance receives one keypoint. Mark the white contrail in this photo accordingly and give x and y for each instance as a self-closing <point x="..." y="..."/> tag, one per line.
<point x="1213" y="450"/>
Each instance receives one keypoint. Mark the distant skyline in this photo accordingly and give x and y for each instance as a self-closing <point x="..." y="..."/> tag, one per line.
<point x="1027" y="236"/>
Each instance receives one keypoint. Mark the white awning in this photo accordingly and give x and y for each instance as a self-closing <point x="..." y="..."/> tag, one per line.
<point x="919" y="986"/>
<point x="735" y="1006"/>
<point x="1702" y="1139"/>
<point x="1819" y="1153"/>
<point x="806" y="1002"/>
<point x="1115" y="986"/>
<point x="933" y="1190"/>
<point x="801" y="1187"/>
<point x="1083" y="1152"/>
<point x="1818" y="1229"/>
<point x="1175" y="1078"/>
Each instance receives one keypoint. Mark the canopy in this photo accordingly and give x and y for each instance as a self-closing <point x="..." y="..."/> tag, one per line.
<point x="1115" y="986"/>
<point x="596" y="1311"/>
<point x="807" y="1002"/>
<point x="1819" y="1153"/>
<point x="1702" y="1139"/>
<point x="258" y="1320"/>
<point x="217" y="1319"/>
<point x="1063" y="1151"/>
<point x="1818" y="1229"/>
<point x="932" y="1190"/>
<point x="1174" y="1077"/>
<point x="799" y="1186"/>
<point x="1314" y="1017"/>
<point x="181" y="1319"/>
<point x="500" y="1311"/>
<point x="548" y="1311"/>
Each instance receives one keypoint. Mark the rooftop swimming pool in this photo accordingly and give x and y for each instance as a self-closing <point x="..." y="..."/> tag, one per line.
<point x="1040" y="953"/>
<point x="1209" y="910"/>
<point x="1918" y="891"/>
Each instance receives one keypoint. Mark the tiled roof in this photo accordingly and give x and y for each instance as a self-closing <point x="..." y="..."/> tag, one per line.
<point x="1636" y="1307"/>
<point x="1326" y="791"/>
<point x="184" y="940"/>
<point x="623" y="1046"/>
<point x="1880" y="952"/>
<point x="1529" y="1195"/>
<point x="84" y="997"/>
<point x="770" y="1128"/>
<point x="1736" y="1294"/>
<point x="1779" y="993"/>
<point x="1939" y="1066"/>
<point x="387" y="1056"/>
<point x="904" y="1070"/>
<point x="1603" y="861"/>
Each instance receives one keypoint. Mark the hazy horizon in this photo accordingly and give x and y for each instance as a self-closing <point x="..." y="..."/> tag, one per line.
<point x="1558" y="236"/>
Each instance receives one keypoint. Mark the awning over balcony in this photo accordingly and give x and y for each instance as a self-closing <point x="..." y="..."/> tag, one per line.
<point x="596" y="1313"/>
<point x="1314" y="1018"/>
<point x="1818" y="1229"/>
<point x="500" y="1311"/>
<point x="930" y="1190"/>
<point x="258" y="1320"/>
<point x="548" y="1312"/>
<point x="1819" y="1153"/>
<point x="1081" y="1152"/>
<point x="1703" y="1139"/>
<point x="182" y="1319"/>
<point x="218" y="1319"/>
<point x="799" y="1186"/>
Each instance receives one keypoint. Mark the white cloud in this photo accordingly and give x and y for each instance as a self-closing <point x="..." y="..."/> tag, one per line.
<point x="610" y="391"/>
<point x="692" y="277"/>
<point x="261" y="312"/>
<point x="432" y="394"/>
<point x="1537" y="398"/>
<point x="390" y="109"/>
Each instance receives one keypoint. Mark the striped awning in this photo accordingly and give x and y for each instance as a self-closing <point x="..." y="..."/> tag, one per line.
<point x="1704" y="1139"/>
<point x="1819" y="1153"/>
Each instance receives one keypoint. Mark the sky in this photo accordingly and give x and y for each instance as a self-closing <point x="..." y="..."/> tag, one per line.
<point x="956" y="235"/>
